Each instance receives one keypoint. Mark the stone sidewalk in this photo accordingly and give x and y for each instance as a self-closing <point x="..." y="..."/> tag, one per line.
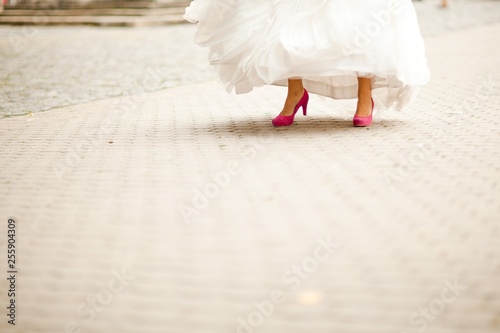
<point x="100" y="63"/>
<point x="185" y="211"/>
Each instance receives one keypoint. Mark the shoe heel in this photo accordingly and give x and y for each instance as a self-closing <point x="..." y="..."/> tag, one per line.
<point x="304" y="106"/>
<point x="361" y="121"/>
<point x="288" y="120"/>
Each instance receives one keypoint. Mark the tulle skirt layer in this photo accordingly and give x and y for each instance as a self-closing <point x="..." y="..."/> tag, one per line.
<point x="327" y="43"/>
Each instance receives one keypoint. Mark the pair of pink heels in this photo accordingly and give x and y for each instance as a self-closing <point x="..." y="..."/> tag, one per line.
<point x="357" y="121"/>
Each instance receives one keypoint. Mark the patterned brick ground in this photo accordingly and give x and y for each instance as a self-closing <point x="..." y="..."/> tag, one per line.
<point x="42" y="68"/>
<point x="185" y="211"/>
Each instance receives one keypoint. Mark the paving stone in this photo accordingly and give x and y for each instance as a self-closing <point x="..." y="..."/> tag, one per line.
<point x="43" y="69"/>
<point x="378" y="233"/>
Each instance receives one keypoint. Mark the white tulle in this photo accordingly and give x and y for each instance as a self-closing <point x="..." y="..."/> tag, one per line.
<point x="328" y="43"/>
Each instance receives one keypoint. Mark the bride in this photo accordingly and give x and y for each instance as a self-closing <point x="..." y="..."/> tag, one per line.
<point x="336" y="48"/>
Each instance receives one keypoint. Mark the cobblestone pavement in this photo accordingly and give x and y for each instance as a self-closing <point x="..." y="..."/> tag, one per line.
<point x="184" y="211"/>
<point x="47" y="67"/>
<point x="71" y="65"/>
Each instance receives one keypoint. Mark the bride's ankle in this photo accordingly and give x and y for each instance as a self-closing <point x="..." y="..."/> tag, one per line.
<point x="296" y="93"/>
<point x="364" y="106"/>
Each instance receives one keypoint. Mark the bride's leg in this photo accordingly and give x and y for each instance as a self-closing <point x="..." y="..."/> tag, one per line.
<point x="295" y="93"/>
<point x="364" y="97"/>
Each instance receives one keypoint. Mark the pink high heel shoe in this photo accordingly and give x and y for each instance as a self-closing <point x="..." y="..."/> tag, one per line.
<point x="359" y="121"/>
<point x="288" y="120"/>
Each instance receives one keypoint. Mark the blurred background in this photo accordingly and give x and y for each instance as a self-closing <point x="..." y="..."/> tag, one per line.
<point x="102" y="48"/>
<point x="94" y="12"/>
<point x="147" y="199"/>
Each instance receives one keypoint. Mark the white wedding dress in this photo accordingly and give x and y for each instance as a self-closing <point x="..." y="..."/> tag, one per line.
<point x="327" y="43"/>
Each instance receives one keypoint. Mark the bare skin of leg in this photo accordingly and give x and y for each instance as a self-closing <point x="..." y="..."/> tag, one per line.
<point x="444" y="3"/>
<point x="295" y="93"/>
<point x="364" y="97"/>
